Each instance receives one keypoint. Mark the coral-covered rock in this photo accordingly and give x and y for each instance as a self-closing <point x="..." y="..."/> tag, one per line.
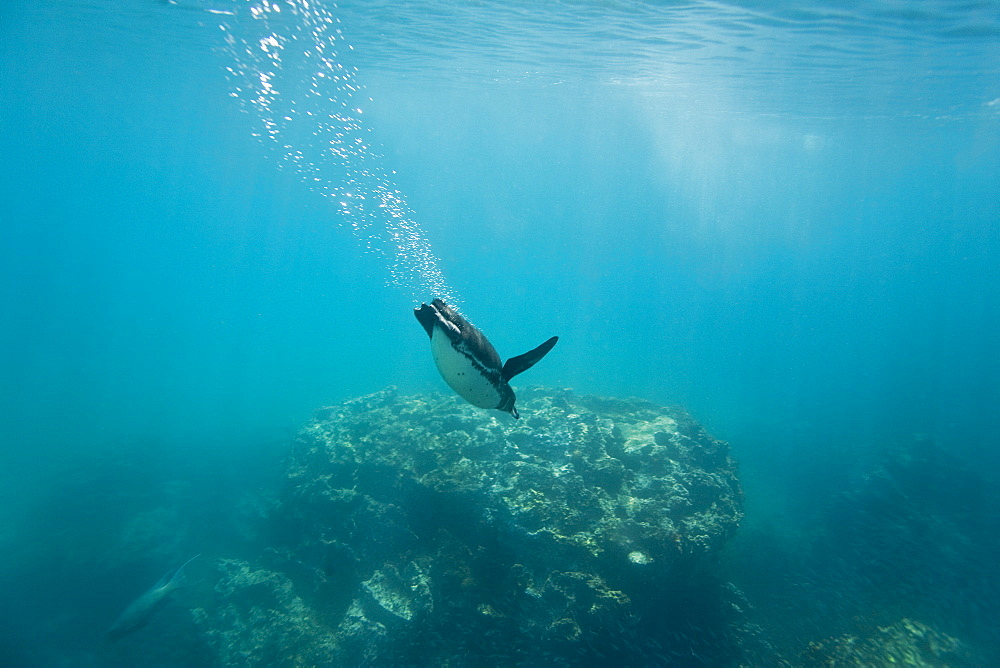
<point x="422" y="526"/>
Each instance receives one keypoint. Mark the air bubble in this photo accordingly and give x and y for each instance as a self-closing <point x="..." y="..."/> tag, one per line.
<point x="333" y="156"/>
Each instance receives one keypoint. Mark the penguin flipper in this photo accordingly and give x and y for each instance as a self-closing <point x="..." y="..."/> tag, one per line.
<point x="516" y="365"/>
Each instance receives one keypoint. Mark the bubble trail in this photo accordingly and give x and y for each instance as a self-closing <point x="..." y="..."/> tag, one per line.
<point x="286" y="72"/>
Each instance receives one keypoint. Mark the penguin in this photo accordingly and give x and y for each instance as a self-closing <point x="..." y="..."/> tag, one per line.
<point x="469" y="363"/>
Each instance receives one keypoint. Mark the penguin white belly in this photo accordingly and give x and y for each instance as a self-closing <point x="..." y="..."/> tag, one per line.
<point x="460" y="374"/>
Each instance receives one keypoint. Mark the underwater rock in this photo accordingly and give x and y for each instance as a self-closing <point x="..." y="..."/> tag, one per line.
<point x="404" y="594"/>
<point x="904" y="643"/>
<point x="421" y="526"/>
<point x="263" y="621"/>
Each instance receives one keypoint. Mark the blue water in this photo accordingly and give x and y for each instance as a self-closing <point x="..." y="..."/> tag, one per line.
<point x="781" y="216"/>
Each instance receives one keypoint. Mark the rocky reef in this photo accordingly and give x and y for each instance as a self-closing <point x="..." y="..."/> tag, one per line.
<point x="419" y="529"/>
<point x="904" y="643"/>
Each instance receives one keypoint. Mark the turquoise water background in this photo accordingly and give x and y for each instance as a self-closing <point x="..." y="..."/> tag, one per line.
<point x="784" y="217"/>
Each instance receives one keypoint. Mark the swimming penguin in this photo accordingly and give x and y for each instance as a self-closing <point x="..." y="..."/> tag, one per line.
<point x="469" y="363"/>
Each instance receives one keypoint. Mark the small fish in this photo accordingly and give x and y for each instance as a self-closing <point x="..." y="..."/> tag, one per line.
<point x="139" y="612"/>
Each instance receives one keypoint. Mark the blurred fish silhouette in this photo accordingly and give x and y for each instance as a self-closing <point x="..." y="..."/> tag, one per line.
<point x="139" y="612"/>
<point x="469" y="363"/>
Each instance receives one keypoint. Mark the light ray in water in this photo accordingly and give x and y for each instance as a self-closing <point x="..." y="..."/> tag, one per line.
<point x="287" y="73"/>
